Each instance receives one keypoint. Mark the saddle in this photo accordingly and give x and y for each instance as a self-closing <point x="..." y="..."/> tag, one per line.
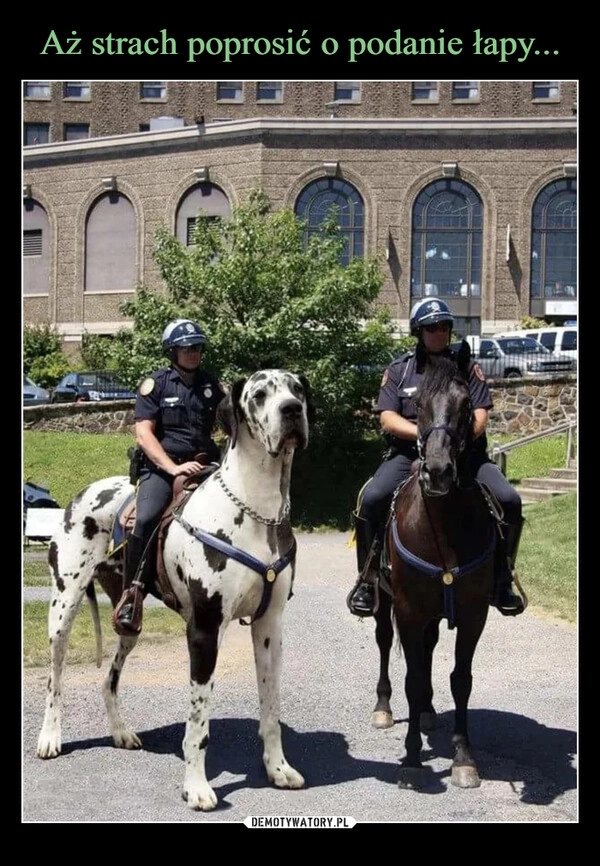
<point x="154" y="574"/>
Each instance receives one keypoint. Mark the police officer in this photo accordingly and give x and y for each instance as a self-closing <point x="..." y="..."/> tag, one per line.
<point x="175" y="413"/>
<point x="431" y="322"/>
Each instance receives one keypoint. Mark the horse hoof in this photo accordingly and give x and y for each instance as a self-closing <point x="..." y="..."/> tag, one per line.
<point x="465" y="777"/>
<point x="382" y="719"/>
<point x="428" y="722"/>
<point x="411" y="778"/>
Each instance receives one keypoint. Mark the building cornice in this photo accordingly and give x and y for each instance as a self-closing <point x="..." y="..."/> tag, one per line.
<point x="215" y="133"/>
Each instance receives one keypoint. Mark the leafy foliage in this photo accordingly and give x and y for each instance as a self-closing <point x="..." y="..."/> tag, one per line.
<point x="267" y="299"/>
<point x="530" y="322"/>
<point x="43" y="358"/>
<point x="96" y="352"/>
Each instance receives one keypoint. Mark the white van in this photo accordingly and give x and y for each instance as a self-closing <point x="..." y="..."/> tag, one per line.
<point x="560" y="340"/>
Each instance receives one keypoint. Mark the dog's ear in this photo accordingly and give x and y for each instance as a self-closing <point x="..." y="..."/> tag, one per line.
<point x="311" y="411"/>
<point x="229" y="412"/>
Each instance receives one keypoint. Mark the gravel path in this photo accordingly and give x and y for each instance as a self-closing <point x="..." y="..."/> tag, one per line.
<point x="523" y="723"/>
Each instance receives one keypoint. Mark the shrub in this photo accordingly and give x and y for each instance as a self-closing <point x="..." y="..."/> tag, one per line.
<point x="43" y="358"/>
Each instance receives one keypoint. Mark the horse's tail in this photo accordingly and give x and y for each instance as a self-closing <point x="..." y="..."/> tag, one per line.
<point x="91" y="596"/>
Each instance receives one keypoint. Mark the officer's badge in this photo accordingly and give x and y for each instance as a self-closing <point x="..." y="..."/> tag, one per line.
<point x="146" y="386"/>
<point x="208" y="392"/>
<point x="479" y="372"/>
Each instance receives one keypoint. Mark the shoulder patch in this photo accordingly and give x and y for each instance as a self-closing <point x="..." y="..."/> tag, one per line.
<point x="386" y="376"/>
<point x="146" y="386"/>
<point x="479" y="372"/>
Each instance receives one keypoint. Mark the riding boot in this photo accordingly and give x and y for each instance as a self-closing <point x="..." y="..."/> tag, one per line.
<point x="363" y="598"/>
<point x="505" y="599"/>
<point x="127" y="615"/>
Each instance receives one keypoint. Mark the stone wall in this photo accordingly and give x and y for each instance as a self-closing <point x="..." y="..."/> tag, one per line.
<point x="521" y="406"/>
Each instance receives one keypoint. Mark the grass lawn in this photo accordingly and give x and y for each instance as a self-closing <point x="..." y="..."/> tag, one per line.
<point x="324" y="493"/>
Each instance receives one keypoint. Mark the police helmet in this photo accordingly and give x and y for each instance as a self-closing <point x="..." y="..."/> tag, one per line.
<point x="429" y="311"/>
<point x="180" y="333"/>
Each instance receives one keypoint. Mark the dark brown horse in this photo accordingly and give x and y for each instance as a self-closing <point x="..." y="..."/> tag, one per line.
<point x="439" y="542"/>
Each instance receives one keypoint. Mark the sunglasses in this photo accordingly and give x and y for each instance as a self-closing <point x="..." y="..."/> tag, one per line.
<point x="441" y="326"/>
<point x="197" y="348"/>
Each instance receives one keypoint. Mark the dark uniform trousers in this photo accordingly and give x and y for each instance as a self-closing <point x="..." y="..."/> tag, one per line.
<point x="154" y="492"/>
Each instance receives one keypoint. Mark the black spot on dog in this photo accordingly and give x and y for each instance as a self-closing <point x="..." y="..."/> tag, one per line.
<point x="53" y="563"/>
<point x="68" y="518"/>
<point x="104" y="497"/>
<point x="114" y="681"/>
<point x="251" y="412"/>
<point x="203" y="631"/>
<point x="90" y="528"/>
<point x="239" y="518"/>
<point x="267" y="642"/>
<point x="216" y="560"/>
<point x="204" y="742"/>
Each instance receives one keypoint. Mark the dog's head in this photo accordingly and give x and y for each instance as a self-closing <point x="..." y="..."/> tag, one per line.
<point x="276" y="407"/>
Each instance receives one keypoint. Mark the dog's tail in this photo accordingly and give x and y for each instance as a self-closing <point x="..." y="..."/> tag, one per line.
<point x="91" y="597"/>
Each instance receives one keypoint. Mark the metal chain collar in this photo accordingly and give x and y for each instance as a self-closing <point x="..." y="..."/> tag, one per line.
<point x="269" y="521"/>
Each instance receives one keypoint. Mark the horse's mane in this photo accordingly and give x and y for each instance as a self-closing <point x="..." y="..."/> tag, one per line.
<point x="439" y="372"/>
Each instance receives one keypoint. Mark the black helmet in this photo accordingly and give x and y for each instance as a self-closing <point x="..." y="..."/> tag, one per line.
<point x="429" y="311"/>
<point x="180" y="333"/>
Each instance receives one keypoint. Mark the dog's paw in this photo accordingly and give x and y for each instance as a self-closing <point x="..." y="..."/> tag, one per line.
<point x="284" y="776"/>
<point x="125" y="739"/>
<point x="199" y="797"/>
<point x="49" y="743"/>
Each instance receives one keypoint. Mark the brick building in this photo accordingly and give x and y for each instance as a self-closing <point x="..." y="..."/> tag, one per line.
<point x="465" y="190"/>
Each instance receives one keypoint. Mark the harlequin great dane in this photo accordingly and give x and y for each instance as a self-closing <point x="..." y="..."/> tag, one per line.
<point x="229" y="554"/>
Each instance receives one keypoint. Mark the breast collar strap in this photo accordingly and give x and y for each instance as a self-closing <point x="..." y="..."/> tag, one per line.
<point x="268" y="572"/>
<point x="448" y="576"/>
<point x="436" y="570"/>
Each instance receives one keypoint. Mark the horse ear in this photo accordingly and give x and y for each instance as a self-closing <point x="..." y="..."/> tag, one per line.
<point x="463" y="358"/>
<point x="421" y="357"/>
<point x="229" y="413"/>
<point x="311" y="411"/>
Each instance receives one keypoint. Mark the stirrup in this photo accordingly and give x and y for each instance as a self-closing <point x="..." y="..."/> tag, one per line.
<point x="350" y="598"/>
<point x="514" y="604"/>
<point x="127" y="615"/>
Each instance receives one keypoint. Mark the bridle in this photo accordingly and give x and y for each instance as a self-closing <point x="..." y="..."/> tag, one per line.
<point x="458" y="440"/>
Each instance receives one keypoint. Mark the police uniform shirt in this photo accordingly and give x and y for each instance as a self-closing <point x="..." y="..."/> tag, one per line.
<point x="184" y="414"/>
<point x="399" y="385"/>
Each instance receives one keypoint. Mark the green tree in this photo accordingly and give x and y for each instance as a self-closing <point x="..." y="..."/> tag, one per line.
<point x="43" y="358"/>
<point x="96" y="352"/>
<point x="530" y="322"/>
<point x="266" y="299"/>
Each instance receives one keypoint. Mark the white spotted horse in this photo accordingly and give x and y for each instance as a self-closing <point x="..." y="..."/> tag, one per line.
<point x="229" y="554"/>
<point x="439" y="544"/>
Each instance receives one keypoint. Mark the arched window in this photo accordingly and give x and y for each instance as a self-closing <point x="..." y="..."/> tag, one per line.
<point x="204" y="200"/>
<point x="554" y="244"/>
<point x="36" y="249"/>
<point x="315" y="203"/>
<point x="446" y="250"/>
<point x="110" y="245"/>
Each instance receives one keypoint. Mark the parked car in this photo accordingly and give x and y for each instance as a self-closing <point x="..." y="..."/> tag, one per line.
<point x="511" y="357"/>
<point x="33" y="395"/>
<point x="561" y="340"/>
<point x="92" y="386"/>
<point x="36" y="496"/>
